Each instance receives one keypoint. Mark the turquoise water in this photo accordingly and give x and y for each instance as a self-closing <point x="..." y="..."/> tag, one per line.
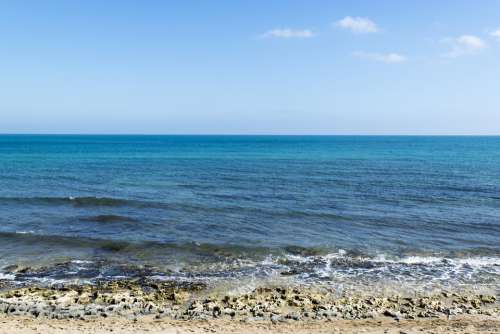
<point x="306" y="207"/>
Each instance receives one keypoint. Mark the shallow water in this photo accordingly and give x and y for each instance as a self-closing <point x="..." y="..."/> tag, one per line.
<point x="334" y="209"/>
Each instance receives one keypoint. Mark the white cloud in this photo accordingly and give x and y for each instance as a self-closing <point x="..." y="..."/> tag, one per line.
<point x="388" y="58"/>
<point x="495" y="33"/>
<point x="360" y="25"/>
<point x="288" y="33"/>
<point x="464" y="45"/>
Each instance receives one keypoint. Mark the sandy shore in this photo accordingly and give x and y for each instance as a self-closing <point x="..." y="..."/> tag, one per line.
<point x="464" y="324"/>
<point x="145" y="306"/>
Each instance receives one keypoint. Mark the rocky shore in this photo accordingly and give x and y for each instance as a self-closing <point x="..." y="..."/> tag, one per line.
<point x="134" y="299"/>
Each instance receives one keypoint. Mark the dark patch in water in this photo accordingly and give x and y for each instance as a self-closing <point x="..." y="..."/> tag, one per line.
<point x="347" y="263"/>
<point x="96" y="201"/>
<point x="65" y="241"/>
<point x="305" y="251"/>
<point x="105" y="270"/>
<point x="150" y="247"/>
<point x="109" y="219"/>
<point x="114" y="246"/>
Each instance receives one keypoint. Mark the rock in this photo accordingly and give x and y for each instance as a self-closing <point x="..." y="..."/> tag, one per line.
<point x="476" y="303"/>
<point x="275" y="318"/>
<point x="127" y="298"/>
<point x="178" y="296"/>
<point x="392" y="314"/>
<point x="487" y="299"/>
<point x="371" y="315"/>
<point x="293" y="316"/>
<point x="216" y="311"/>
<point x="229" y="312"/>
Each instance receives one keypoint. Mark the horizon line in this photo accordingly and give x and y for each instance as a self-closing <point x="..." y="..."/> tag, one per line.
<point x="251" y="134"/>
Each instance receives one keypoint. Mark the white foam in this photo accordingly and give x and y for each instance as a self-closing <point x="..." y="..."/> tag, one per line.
<point x="25" y="232"/>
<point x="9" y="277"/>
<point x="304" y="259"/>
<point x="479" y="261"/>
<point x="81" y="262"/>
<point x="410" y="259"/>
<point x="268" y="261"/>
<point x="471" y="261"/>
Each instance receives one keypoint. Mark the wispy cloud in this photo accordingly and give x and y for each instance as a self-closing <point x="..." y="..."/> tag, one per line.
<point x="464" y="45"/>
<point x="359" y="25"/>
<point x="495" y="34"/>
<point x="288" y="33"/>
<point x="388" y="58"/>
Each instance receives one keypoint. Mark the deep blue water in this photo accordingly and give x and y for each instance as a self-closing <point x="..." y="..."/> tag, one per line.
<point x="181" y="203"/>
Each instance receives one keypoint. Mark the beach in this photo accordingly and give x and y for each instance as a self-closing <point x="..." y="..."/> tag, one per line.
<point x="470" y="325"/>
<point x="154" y="307"/>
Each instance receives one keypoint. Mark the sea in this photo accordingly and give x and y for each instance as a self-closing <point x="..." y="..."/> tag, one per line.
<point x="350" y="212"/>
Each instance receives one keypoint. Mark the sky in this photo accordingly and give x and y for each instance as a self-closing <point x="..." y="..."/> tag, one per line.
<point x="250" y="67"/>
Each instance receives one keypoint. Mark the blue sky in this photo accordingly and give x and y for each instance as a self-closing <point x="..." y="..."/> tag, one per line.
<point x="250" y="67"/>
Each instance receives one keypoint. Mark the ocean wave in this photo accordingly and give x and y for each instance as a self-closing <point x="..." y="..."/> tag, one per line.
<point x="74" y="201"/>
<point x="152" y="247"/>
<point x="429" y="260"/>
<point x="422" y="270"/>
<point x="472" y="257"/>
<point x="335" y="269"/>
<point x="62" y="241"/>
<point x="383" y="259"/>
<point x="212" y="262"/>
<point x="178" y="206"/>
<point x="8" y="277"/>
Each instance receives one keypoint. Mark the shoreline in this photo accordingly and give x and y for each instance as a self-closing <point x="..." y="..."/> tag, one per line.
<point x="192" y="307"/>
